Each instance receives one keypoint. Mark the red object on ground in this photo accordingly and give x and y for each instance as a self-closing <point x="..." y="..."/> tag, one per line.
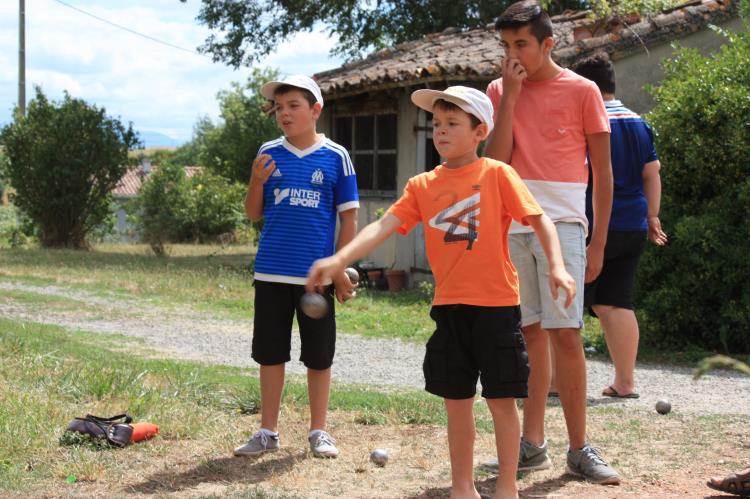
<point x="143" y="431"/>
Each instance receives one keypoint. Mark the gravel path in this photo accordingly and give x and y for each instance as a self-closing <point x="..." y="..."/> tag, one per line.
<point x="190" y="334"/>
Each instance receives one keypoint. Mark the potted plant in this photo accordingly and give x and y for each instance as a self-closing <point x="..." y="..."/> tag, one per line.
<point x="396" y="279"/>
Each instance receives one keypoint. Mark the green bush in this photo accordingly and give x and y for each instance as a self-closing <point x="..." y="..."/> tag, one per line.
<point x="173" y="208"/>
<point x="65" y="159"/>
<point x="696" y="289"/>
<point x="16" y="230"/>
<point x="4" y="165"/>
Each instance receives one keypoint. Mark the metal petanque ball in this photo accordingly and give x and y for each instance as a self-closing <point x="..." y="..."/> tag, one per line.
<point x="352" y="274"/>
<point x="313" y="305"/>
<point x="379" y="457"/>
<point x="663" y="406"/>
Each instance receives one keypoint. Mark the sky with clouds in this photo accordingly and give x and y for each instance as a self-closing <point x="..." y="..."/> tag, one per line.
<point x="158" y="88"/>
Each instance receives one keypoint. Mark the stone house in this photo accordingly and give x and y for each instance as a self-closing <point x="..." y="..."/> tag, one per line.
<point x="368" y="109"/>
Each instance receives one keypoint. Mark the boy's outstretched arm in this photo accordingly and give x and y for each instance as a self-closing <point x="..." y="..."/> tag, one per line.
<point x="331" y="268"/>
<point x="558" y="276"/>
<point x="601" y="167"/>
<point x="263" y="167"/>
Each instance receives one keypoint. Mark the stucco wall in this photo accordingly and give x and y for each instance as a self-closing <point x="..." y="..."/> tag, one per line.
<point x="636" y="71"/>
<point x="385" y="255"/>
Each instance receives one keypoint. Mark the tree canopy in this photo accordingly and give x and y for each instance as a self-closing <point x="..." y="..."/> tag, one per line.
<point x="245" y="31"/>
<point x="228" y="147"/>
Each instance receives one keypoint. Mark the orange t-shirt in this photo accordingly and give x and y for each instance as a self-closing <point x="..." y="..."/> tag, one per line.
<point x="466" y="213"/>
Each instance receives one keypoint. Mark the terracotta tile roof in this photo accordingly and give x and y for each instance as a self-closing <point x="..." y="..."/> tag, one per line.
<point x="130" y="183"/>
<point x="474" y="55"/>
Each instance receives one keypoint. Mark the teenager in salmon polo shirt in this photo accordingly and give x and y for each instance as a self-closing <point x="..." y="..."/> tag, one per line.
<point x="547" y="119"/>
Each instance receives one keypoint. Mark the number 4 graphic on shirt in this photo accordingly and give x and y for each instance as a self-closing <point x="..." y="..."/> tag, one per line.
<point x="459" y="221"/>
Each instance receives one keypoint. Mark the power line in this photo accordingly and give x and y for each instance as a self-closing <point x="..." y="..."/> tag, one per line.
<point x="148" y="37"/>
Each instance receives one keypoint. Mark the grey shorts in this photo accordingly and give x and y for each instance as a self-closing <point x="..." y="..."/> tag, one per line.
<point x="531" y="264"/>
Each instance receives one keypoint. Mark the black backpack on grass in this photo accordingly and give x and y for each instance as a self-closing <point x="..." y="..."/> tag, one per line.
<point x="114" y="431"/>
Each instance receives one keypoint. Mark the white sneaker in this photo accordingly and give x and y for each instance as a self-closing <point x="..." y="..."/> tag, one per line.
<point x="261" y="443"/>
<point x="323" y="445"/>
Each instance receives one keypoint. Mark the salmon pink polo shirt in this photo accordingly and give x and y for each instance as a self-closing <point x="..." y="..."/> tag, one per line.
<point x="550" y="122"/>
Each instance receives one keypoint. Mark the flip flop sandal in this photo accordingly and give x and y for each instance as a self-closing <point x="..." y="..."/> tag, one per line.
<point x="613" y="393"/>
<point x="736" y="483"/>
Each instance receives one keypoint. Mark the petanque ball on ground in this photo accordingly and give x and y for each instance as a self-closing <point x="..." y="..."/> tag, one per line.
<point x="663" y="406"/>
<point x="352" y="274"/>
<point x="379" y="457"/>
<point x="313" y="305"/>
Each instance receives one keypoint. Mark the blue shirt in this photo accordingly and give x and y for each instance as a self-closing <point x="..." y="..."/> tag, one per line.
<point x="301" y="199"/>
<point x="632" y="146"/>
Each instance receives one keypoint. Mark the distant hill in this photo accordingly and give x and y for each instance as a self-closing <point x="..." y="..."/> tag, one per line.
<point x="155" y="139"/>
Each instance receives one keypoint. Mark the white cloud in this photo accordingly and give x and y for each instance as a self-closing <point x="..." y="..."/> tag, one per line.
<point x="154" y="86"/>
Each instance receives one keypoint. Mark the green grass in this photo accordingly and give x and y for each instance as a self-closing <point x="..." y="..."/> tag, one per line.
<point x="217" y="280"/>
<point x="51" y="375"/>
<point x="208" y="278"/>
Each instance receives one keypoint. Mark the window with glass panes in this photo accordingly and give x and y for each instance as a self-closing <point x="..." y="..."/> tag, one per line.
<point x="371" y="142"/>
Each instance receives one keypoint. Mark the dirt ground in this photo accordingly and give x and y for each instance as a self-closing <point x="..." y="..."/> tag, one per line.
<point x="660" y="457"/>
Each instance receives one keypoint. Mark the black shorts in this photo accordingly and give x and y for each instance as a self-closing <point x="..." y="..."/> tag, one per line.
<point x="275" y="305"/>
<point x="473" y="342"/>
<point x="616" y="283"/>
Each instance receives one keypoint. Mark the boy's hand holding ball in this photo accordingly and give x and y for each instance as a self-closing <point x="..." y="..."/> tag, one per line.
<point x="263" y="167"/>
<point x="330" y="269"/>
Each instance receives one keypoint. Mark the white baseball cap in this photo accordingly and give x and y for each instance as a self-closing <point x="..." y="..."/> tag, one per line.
<point x="299" y="81"/>
<point x="468" y="99"/>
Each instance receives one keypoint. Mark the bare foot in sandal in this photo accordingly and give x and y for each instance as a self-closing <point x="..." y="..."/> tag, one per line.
<point x="610" y="391"/>
<point x="735" y="483"/>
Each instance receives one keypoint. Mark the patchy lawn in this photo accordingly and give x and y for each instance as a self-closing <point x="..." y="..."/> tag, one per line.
<point x="51" y="375"/>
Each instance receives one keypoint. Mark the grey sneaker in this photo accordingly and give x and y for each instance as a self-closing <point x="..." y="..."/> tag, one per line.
<point x="323" y="445"/>
<point x="531" y="458"/>
<point x="589" y="464"/>
<point x="261" y="443"/>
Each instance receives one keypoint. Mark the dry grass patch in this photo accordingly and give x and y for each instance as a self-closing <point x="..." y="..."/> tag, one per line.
<point x="658" y="457"/>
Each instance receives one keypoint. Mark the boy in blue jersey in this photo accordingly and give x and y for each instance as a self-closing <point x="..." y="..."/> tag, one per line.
<point x="300" y="184"/>
<point x="635" y="217"/>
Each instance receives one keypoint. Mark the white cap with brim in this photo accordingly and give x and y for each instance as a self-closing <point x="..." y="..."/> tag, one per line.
<point x="468" y="99"/>
<point x="300" y="81"/>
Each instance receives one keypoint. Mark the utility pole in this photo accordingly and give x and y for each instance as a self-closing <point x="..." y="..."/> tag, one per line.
<point x="22" y="57"/>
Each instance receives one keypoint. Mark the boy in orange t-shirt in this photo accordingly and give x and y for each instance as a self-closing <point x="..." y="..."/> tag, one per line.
<point x="466" y="206"/>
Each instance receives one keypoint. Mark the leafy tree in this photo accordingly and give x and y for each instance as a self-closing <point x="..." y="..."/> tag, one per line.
<point x="228" y="147"/>
<point x="185" y="155"/>
<point x="695" y="290"/>
<point x="245" y="31"/>
<point x="173" y="208"/>
<point x="65" y="159"/>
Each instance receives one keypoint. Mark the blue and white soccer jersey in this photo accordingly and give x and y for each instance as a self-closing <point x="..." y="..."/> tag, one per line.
<point x="632" y="146"/>
<point x="301" y="200"/>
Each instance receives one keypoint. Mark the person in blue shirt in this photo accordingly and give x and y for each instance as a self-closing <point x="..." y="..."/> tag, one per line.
<point x="635" y="218"/>
<point x="301" y="183"/>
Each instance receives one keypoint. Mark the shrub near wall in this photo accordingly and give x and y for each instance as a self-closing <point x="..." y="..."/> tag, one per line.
<point x="174" y="209"/>
<point x="696" y="290"/>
